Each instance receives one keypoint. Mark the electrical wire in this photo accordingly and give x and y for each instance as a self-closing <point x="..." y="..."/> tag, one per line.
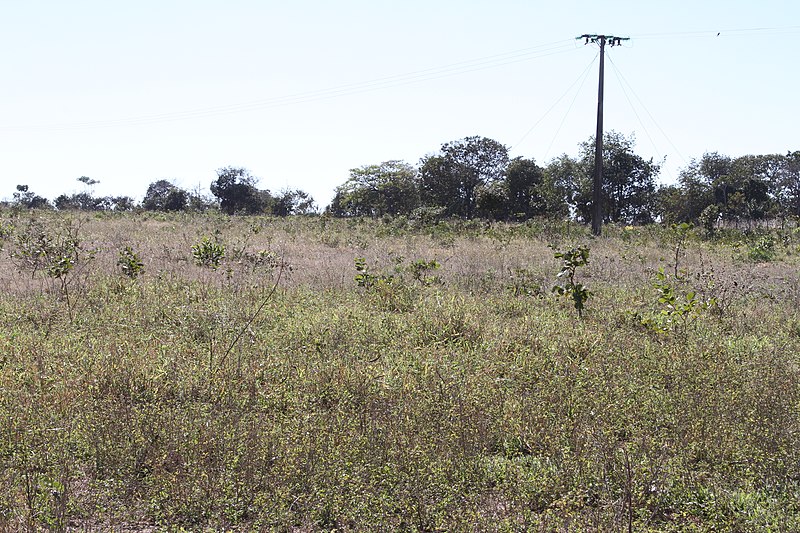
<point x="622" y="78"/>
<point x="569" y="109"/>
<point x="581" y="76"/>
<point x="420" y="76"/>
<point x="740" y="32"/>
<point x="633" y="108"/>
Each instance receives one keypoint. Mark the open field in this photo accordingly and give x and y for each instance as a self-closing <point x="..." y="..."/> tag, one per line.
<point x="278" y="391"/>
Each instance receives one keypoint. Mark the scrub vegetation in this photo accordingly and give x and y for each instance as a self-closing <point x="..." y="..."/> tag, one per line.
<point x="177" y="371"/>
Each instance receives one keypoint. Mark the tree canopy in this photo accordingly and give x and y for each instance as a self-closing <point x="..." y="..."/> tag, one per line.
<point x="629" y="181"/>
<point x="387" y="188"/>
<point x="453" y="178"/>
<point x="163" y="195"/>
<point x="236" y="190"/>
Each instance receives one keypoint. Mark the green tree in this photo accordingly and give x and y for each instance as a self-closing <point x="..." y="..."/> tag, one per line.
<point x="28" y="199"/>
<point x="453" y="178"/>
<point x="163" y="195"/>
<point x="742" y="188"/>
<point x="688" y="199"/>
<point x="562" y="176"/>
<point x="786" y="184"/>
<point x="533" y="192"/>
<point x="86" y="201"/>
<point x="629" y="186"/>
<point x="751" y="176"/>
<point x="82" y="201"/>
<point x="493" y="201"/>
<point x="439" y="186"/>
<point x="293" y="202"/>
<point x="121" y="203"/>
<point x="388" y="188"/>
<point x="236" y="190"/>
<point x="89" y="182"/>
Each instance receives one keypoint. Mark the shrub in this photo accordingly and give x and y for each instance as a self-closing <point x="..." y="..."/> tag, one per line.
<point x="208" y="253"/>
<point x="130" y="263"/>
<point x="571" y="260"/>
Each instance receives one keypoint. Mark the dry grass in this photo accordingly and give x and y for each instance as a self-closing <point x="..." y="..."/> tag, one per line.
<point x="476" y="401"/>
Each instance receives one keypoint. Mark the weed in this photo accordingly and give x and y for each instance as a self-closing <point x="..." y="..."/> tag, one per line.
<point x="523" y="283"/>
<point x="56" y="254"/>
<point x="392" y="291"/>
<point x="419" y="270"/>
<point x="679" y="234"/>
<point x="364" y="278"/>
<point x="679" y="309"/>
<point x="6" y="231"/>
<point x="130" y="263"/>
<point x="763" y="250"/>
<point x="208" y="253"/>
<point x="390" y="401"/>
<point x="571" y="260"/>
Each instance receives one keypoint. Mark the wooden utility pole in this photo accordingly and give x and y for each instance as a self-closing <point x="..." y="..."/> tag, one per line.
<point x="597" y="187"/>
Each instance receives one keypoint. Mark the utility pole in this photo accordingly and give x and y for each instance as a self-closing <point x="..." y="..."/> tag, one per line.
<point x="597" y="188"/>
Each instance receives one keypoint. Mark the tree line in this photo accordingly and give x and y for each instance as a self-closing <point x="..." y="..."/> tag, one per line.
<point x="475" y="177"/>
<point x="234" y="191"/>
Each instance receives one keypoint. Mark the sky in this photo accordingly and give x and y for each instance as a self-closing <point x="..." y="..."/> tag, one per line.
<point x="301" y="92"/>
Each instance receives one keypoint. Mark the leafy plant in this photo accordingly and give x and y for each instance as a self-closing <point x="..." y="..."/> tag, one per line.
<point x="678" y="309"/>
<point x="56" y="254"/>
<point x="364" y="278"/>
<point x="571" y="260"/>
<point x="523" y="283"/>
<point x="6" y="230"/>
<point x="391" y="291"/>
<point x="763" y="250"/>
<point x="420" y="268"/>
<point x="208" y="253"/>
<point x="130" y="263"/>
<point x="680" y="233"/>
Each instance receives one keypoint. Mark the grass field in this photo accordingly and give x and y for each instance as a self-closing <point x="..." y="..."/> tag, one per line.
<point x="442" y="386"/>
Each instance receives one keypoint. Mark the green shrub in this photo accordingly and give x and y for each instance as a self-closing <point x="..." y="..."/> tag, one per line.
<point x="208" y="253"/>
<point x="571" y="260"/>
<point x="130" y="263"/>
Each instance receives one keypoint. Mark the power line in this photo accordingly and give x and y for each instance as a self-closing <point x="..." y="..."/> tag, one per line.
<point x="633" y="108"/>
<point x="625" y="82"/>
<point x="740" y="32"/>
<point x="581" y="76"/>
<point x="564" y="119"/>
<point x="420" y="76"/>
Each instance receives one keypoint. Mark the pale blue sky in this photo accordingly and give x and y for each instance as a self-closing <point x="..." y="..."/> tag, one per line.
<point x="301" y="92"/>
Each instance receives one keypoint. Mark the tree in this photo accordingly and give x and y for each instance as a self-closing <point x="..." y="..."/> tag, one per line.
<point x="532" y="192"/>
<point x="83" y="201"/>
<point x="562" y="178"/>
<point x="688" y="199"/>
<point x="751" y="175"/>
<point x="163" y="195"/>
<point x="388" y="188"/>
<point x="439" y="186"/>
<point x="524" y="192"/>
<point x="493" y="201"/>
<point x="786" y="184"/>
<point x="120" y="203"/>
<point x="236" y="189"/>
<point x="523" y="178"/>
<point x="742" y="188"/>
<point x="292" y="202"/>
<point x="89" y="182"/>
<point x="453" y="178"/>
<point x="629" y="185"/>
<point x="199" y="200"/>
<point x="28" y="199"/>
